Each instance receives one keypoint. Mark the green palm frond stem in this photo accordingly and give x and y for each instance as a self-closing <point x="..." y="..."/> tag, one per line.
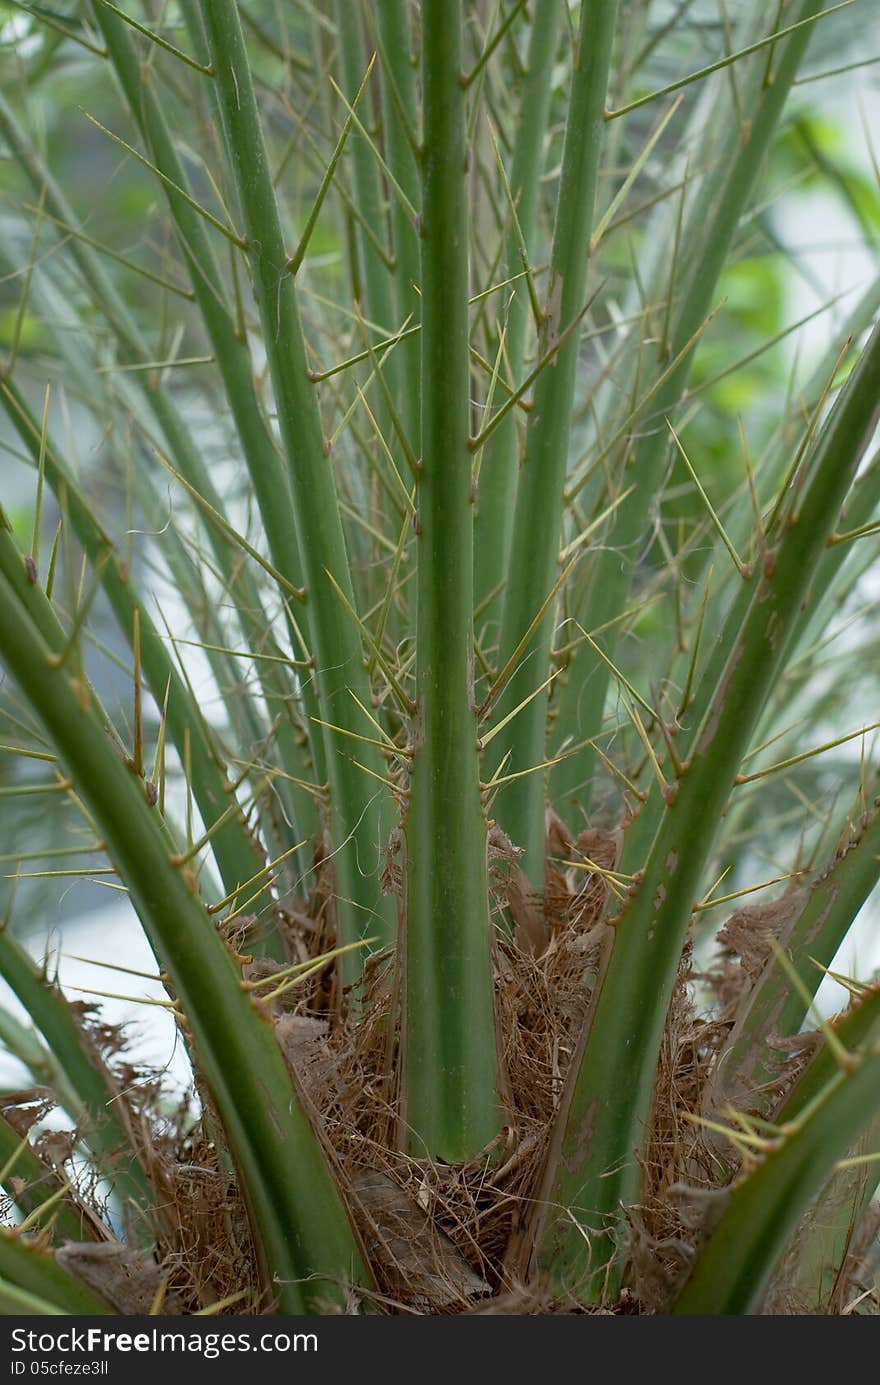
<point x="400" y="121"/>
<point x="827" y="1110"/>
<point x="236" y="854"/>
<point x="41" y="613"/>
<point x="399" y="343"/>
<point x="533" y="566"/>
<point x="183" y="452"/>
<point x="33" y="1186"/>
<point x="726" y="612"/>
<point x="831" y="364"/>
<point x="22" y="1042"/>
<point x="234" y="851"/>
<point x="310" y="1252"/>
<point x="499" y="469"/>
<point x="706" y="241"/>
<point x="774" y="1007"/>
<point x="603" y="1117"/>
<point x="39" y="1284"/>
<point x="361" y="808"/>
<point x="811" y="1274"/>
<point x="450" y="1066"/>
<point x="106" y="1127"/>
<point x="15" y="1302"/>
<point x="264" y="464"/>
<point x="377" y="287"/>
<point x="376" y="277"/>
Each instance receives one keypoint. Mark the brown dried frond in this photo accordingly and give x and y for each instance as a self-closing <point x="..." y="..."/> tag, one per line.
<point x="745" y="946"/>
<point x="461" y="1219"/>
<point x="208" y="1252"/>
<point x="682" y="1170"/>
<point x="128" y="1279"/>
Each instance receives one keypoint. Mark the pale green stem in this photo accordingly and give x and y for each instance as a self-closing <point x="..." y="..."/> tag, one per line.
<point x="361" y="820"/>
<point x="500" y="464"/>
<point x="450" y="1069"/>
<point x="594" y="1169"/>
<point x="300" y="1223"/>
<point x="705" y="249"/>
<point x="537" y="526"/>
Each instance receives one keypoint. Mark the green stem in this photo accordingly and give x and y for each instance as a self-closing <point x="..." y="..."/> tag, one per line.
<point x="30" y="1183"/>
<point x="368" y="189"/>
<point x="107" y="1130"/>
<point x="706" y="241"/>
<point x="594" y="1169"/>
<point x="232" y="846"/>
<point x="271" y="487"/>
<point x="23" y="1043"/>
<point x="773" y="1007"/>
<point x="399" y="116"/>
<point x="500" y="464"/>
<point x="379" y="285"/>
<point x="811" y="1275"/>
<point x="41" y="1283"/>
<point x="361" y="808"/>
<point x="178" y="439"/>
<point x="538" y="517"/>
<point x="726" y="611"/>
<point x="300" y="1223"/>
<point x="451" y="1104"/>
<point x="829" y="1108"/>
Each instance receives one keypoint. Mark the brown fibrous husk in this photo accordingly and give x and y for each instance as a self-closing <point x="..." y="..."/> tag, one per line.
<point x="439" y="1237"/>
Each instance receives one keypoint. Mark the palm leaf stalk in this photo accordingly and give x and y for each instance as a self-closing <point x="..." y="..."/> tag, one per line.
<point x="450" y="1066"/>
<point x="302" y="1236"/>
<point x="535" y="541"/>
<point x="817" y="1125"/>
<point x="598" y="1171"/>
<point x="706" y="239"/>
<point x="497" y="481"/>
<point x="265" y="468"/>
<point x="361" y="824"/>
<point x="187" y="459"/>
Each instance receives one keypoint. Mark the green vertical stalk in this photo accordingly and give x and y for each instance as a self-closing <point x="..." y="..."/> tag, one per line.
<point x="706" y="242"/>
<point x="76" y="350"/>
<point x="537" y="525"/>
<point x="231" y="676"/>
<point x="398" y="112"/>
<point x="368" y="190"/>
<point x="22" y="1042"/>
<point x="301" y="1227"/>
<point x="451" y="1106"/>
<point x="377" y="283"/>
<point x="182" y="449"/>
<point x="594" y="1168"/>
<point x="265" y="467"/>
<point x="860" y="505"/>
<point x="500" y="465"/>
<point x="234" y="851"/>
<point x="808" y="1277"/>
<point x="361" y="808"/>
